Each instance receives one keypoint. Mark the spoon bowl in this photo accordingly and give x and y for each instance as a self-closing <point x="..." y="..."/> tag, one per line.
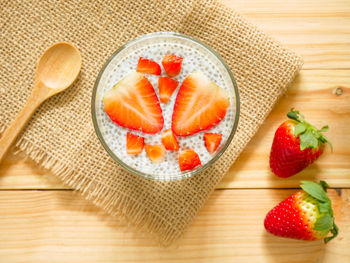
<point x="59" y="66"/>
<point x="56" y="70"/>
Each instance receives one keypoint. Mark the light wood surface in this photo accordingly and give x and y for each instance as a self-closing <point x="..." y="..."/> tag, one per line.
<point x="59" y="226"/>
<point x="318" y="30"/>
<point x="43" y="221"/>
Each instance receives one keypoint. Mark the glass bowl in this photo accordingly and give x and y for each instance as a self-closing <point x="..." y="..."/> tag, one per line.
<point x="106" y="80"/>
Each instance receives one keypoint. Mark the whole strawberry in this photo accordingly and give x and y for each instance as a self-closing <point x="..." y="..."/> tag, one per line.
<point x="296" y="144"/>
<point x="305" y="215"/>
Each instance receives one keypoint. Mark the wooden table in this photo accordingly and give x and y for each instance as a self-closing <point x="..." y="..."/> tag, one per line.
<point x="43" y="221"/>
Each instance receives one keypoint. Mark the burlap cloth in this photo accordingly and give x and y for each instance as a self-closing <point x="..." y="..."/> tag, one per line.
<point x="61" y="136"/>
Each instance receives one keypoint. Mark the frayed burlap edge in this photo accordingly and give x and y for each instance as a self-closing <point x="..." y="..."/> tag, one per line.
<point x="122" y="207"/>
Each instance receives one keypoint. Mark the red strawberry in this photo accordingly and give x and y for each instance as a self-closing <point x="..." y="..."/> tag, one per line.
<point x="156" y="153"/>
<point x="169" y="140"/>
<point x="172" y="65"/>
<point x="200" y="104"/>
<point x="188" y="159"/>
<point x="166" y="88"/>
<point x="134" y="143"/>
<point x="133" y="103"/>
<point x="306" y="215"/>
<point x="296" y="145"/>
<point x="212" y="141"/>
<point x="148" y="67"/>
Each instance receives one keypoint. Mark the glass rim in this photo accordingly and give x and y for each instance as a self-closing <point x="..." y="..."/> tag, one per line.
<point x="180" y="176"/>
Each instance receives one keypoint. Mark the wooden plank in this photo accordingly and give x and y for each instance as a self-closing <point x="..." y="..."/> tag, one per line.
<point x="313" y="92"/>
<point x="18" y="172"/>
<point x="317" y="30"/>
<point x="60" y="226"/>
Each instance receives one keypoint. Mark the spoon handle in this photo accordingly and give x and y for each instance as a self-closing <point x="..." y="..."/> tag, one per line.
<point x="11" y="133"/>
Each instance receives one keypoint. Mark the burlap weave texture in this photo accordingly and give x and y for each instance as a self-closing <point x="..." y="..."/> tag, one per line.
<point x="60" y="135"/>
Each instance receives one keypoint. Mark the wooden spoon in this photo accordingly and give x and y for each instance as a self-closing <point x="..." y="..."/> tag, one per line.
<point x="56" y="70"/>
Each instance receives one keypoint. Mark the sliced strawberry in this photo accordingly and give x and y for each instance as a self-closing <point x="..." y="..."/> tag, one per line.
<point x="169" y="140"/>
<point x="148" y="67"/>
<point x="133" y="103"/>
<point x="172" y="65"/>
<point x="134" y="143"/>
<point x="212" y="141"/>
<point x="156" y="153"/>
<point x="188" y="159"/>
<point x="200" y="104"/>
<point x="166" y="88"/>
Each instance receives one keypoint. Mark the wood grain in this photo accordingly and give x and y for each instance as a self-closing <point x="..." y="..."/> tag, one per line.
<point x="61" y="226"/>
<point x="18" y="172"/>
<point x="313" y="92"/>
<point x="317" y="30"/>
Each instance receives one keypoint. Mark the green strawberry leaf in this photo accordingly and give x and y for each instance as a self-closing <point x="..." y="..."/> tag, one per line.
<point x="334" y="232"/>
<point x="315" y="190"/>
<point x="299" y="128"/>
<point x="308" y="140"/>
<point x="324" y="140"/>
<point x="295" y="115"/>
<point x="324" y="128"/>
<point x="324" y="185"/>
<point x="324" y="223"/>
<point x="310" y="137"/>
<point x="292" y="115"/>
<point x="325" y="207"/>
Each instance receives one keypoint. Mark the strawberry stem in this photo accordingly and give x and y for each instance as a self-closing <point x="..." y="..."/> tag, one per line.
<point x="293" y="116"/>
<point x="324" y="185"/>
<point x="309" y="136"/>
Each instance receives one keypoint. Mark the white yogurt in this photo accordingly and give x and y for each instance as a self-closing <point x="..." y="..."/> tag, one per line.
<point x="195" y="57"/>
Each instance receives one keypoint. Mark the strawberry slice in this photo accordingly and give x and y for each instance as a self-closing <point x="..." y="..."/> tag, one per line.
<point x="148" y="67"/>
<point x="172" y="65"/>
<point x="200" y="104"/>
<point x="166" y="88"/>
<point x="212" y="141"/>
<point x="134" y="143"/>
<point x="156" y="153"/>
<point x="169" y="140"/>
<point x="133" y="103"/>
<point x="188" y="159"/>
